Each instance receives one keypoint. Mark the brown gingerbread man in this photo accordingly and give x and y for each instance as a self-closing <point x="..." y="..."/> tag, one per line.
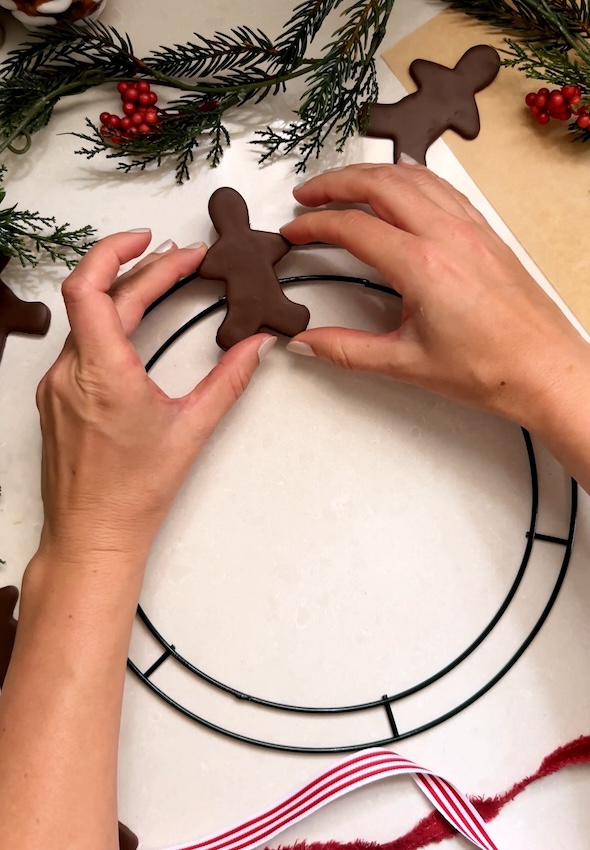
<point x="8" y="599"/>
<point x="445" y="100"/>
<point x="245" y="260"/>
<point x="16" y="316"/>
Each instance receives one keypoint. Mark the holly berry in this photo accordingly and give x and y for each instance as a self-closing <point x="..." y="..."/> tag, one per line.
<point x="583" y="121"/>
<point x="144" y="128"/>
<point x="143" y="86"/>
<point x="113" y="121"/>
<point x="105" y="131"/>
<point x="153" y="98"/>
<point x="104" y="117"/>
<point x="136" y="119"/>
<point x="126" y="123"/>
<point x="544" y="92"/>
<point x="556" y="100"/>
<point x="530" y="99"/>
<point x="131" y="95"/>
<point x="541" y="100"/>
<point x="151" y="117"/>
<point x="543" y="118"/>
<point x="122" y="87"/>
<point x="128" y="108"/>
<point x="145" y="99"/>
<point x="535" y="109"/>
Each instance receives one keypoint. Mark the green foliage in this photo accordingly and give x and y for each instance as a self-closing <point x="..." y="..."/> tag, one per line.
<point x="212" y="75"/>
<point x="24" y="235"/>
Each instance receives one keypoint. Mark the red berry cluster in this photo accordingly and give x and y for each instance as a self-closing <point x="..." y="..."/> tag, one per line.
<point x="559" y="103"/>
<point x="141" y="115"/>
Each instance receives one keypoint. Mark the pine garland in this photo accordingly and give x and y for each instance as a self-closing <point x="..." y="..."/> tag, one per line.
<point x="212" y="75"/>
<point x="547" y="40"/>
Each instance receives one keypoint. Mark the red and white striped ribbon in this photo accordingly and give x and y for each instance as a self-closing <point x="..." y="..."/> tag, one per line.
<point x="351" y="773"/>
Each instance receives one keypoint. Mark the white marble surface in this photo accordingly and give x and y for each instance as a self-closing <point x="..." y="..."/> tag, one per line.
<point x="341" y="536"/>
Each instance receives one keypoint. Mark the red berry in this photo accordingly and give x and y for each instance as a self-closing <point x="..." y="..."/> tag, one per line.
<point x="556" y="99"/>
<point x="535" y="110"/>
<point x="132" y="131"/>
<point x="153" y="98"/>
<point x="141" y="110"/>
<point x="104" y="117"/>
<point x="544" y="92"/>
<point x="136" y="119"/>
<point x="116" y="140"/>
<point x="131" y="95"/>
<point x="541" y="101"/>
<point x="128" y="108"/>
<point x="577" y="91"/>
<point x="568" y="91"/>
<point x="125" y="123"/>
<point x="583" y="122"/>
<point x="122" y="87"/>
<point x="113" y="121"/>
<point x="144" y="128"/>
<point x="143" y="86"/>
<point x="151" y="117"/>
<point x="105" y="131"/>
<point x="144" y="99"/>
<point x="530" y="99"/>
<point x="543" y="118"/>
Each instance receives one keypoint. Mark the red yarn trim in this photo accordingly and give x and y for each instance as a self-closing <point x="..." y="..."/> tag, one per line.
<point x="434" y="828"/>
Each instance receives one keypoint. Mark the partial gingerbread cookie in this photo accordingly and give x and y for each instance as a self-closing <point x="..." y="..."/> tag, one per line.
<point x="16" y="316"/>
<point x="245" y="260"/>
<point x="445" y="100"/>
<point x="8" y="599"/>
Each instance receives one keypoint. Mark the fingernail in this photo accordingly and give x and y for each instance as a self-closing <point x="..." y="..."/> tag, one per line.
<point x="300" y="348"/>
<point x="406" y="159"/>
<point x="165" y="246"/>
<point x="265" y="348"/>
<point x="299" y="185"/>
<point x="194" y="245"/>
<point x="140" y="230"/>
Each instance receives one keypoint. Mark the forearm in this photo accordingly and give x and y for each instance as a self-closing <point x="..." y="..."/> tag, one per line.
<point x="61" y="704"/>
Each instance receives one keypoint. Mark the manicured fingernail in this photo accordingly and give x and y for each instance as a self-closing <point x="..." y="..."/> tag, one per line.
<point x="300" y="348"/>
<point x="165" y="246"/>
<point x="406" y="159"/>
<point x="265" y="348"/>
<point x="140" y="230"/>
<point x="194" y="245"/>
<point x="299" y="185"/>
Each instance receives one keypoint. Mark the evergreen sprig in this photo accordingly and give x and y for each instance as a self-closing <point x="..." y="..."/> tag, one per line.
<point x="25" y="235"/>
<point x="212" y="76"/>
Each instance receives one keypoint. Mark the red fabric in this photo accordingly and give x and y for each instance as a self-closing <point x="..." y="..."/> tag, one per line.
<point x="434" y="828"/>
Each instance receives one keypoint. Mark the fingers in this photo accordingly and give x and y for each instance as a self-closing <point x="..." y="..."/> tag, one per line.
<point x="440" y="191"/>
<point x="371" y="240"/>
<point x="208" y="403"/>
<point x="140" y="287"/>
<point x="169" y="245"/>
<point x="395" y="193"/>
<point x="93" y="317"/>
<point x="383" y="354"/>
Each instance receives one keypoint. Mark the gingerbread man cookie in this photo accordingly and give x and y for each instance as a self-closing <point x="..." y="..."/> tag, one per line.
<point x="16" y="316"/>
<point x="445" y="100"/>
<point x="8" y="599"/>
<point x="245" y="260"/>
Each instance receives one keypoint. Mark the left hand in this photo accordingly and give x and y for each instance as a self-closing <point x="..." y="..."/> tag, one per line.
<point x="116" y="448"/>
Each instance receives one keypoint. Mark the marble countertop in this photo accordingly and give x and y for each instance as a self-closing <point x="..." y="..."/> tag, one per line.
<point x="341" y="537"/>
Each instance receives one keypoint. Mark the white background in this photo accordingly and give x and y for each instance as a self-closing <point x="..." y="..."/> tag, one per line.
<point x="341" y="536"/>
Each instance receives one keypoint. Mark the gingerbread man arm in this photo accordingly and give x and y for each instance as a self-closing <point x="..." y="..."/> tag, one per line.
<point x="212" y="267"/>
<point x="466" y="122"/>
<point x="426" y="74"/>
<point x="273" y="245"/>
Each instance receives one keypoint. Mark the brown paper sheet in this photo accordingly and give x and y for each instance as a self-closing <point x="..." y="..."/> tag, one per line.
<point x="534" y="176"/>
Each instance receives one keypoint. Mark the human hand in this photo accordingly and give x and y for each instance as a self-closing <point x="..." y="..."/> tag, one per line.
<point x="116" y="448"/>
<point x="475" y="326"/>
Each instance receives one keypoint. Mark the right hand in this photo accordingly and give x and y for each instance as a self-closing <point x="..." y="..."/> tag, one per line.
<point x="475" y="325"/>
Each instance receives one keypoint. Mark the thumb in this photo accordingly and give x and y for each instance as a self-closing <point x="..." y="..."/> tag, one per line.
<point x="216" y="394"/>
<point x="384" y="354"/>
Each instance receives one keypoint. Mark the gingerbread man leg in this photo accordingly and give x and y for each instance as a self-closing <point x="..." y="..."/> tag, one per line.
<point x="289" y="318"/>
<point x="237" y="326"/>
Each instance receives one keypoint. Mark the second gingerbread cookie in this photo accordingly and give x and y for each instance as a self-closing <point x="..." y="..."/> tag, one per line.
<point x="245" y="260"/>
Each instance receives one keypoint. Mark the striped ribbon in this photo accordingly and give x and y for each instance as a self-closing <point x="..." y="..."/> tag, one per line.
<point x="353" y="772"/>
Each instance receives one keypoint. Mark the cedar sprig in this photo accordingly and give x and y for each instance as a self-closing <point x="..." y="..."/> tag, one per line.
<point x="212" y="76"/>
<point x="337" y="91"/>
<point x="26" y="235"/>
